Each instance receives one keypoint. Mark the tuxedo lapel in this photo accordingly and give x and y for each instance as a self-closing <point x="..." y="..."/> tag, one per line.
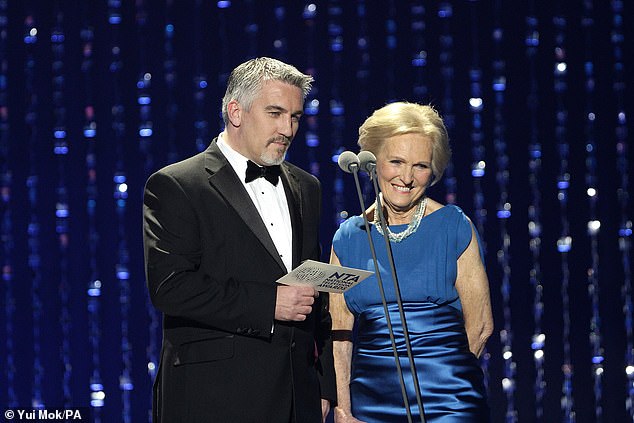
<point x="223" y="178"/>
<point x="294" y="200"/>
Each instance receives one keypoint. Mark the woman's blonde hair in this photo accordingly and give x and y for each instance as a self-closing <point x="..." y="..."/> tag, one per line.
<point x="408" y="118"/>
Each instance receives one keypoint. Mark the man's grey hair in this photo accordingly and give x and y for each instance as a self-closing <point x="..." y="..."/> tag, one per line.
<point x="246" y="81"/>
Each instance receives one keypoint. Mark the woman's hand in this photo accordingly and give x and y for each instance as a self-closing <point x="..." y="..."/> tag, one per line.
<point x="325" y="409"/>
<point x="472" y="285"/>
<point x="342" y="324"/>
<point x="342" y="416"/>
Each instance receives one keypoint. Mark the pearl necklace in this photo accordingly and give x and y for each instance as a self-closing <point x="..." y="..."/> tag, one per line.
<point x="411" y="227"/>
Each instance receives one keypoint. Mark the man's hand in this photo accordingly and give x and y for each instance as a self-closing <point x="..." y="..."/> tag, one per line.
<point x="294" y="303"/>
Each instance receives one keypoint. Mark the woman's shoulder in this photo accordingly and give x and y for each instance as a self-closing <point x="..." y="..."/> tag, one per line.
<point x="351" y="225"/>
<point x="444" y="210"/>
<point x="449" y="215"/>
<point x="348" y="230"/>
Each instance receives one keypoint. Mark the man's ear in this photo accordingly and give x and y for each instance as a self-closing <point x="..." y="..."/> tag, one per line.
<point x="234" y="113"/>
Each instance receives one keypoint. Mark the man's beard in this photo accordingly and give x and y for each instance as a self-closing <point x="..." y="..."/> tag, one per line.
<point x="277" y="157"/>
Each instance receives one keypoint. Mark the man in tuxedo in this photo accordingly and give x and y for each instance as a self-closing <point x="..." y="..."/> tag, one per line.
<point x="219" y="229"/>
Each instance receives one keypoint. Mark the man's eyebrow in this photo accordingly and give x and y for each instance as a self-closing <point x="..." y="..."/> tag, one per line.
<point x="275" y="108"/>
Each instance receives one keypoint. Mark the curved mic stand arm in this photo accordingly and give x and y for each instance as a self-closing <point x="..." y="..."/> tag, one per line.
<point x="397" y="291"/>
<point x="385" y="309"/>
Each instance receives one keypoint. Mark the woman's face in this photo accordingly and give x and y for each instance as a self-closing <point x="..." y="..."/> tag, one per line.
<point x="404" y="171"/>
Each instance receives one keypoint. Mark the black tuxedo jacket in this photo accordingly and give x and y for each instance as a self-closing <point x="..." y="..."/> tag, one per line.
<point x="211" y="268"/>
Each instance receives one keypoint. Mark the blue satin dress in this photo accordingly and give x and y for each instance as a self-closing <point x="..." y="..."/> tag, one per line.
<point x="449" y="375"/>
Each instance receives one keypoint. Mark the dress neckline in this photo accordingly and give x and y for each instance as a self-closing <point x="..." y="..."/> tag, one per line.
<point x="421" y="221"/>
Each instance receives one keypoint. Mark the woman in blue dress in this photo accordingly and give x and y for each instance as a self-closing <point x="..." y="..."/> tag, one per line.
<point x="442" y="283"/>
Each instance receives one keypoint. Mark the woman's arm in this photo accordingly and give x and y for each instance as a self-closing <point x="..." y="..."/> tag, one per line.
<point x="342" y="324"/>
<point x="472" y="285"/>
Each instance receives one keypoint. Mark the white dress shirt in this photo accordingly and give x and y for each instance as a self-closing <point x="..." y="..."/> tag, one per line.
<point x="270" y="200"/>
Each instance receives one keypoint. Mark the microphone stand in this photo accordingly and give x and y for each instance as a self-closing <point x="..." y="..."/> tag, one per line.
<point x="354" y="169"/>
<point x="371" y="169"/>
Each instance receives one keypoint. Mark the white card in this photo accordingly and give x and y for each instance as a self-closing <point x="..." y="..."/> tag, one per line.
<point x="324" y="277"/>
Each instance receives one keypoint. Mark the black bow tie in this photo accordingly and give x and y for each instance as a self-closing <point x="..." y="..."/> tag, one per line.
<point x="270" y="173"/>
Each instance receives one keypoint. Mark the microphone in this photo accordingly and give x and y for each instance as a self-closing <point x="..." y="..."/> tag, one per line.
<point x="367" y="161"/>
<point x="348" y="162"/>
<point x="368" y="164"/>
